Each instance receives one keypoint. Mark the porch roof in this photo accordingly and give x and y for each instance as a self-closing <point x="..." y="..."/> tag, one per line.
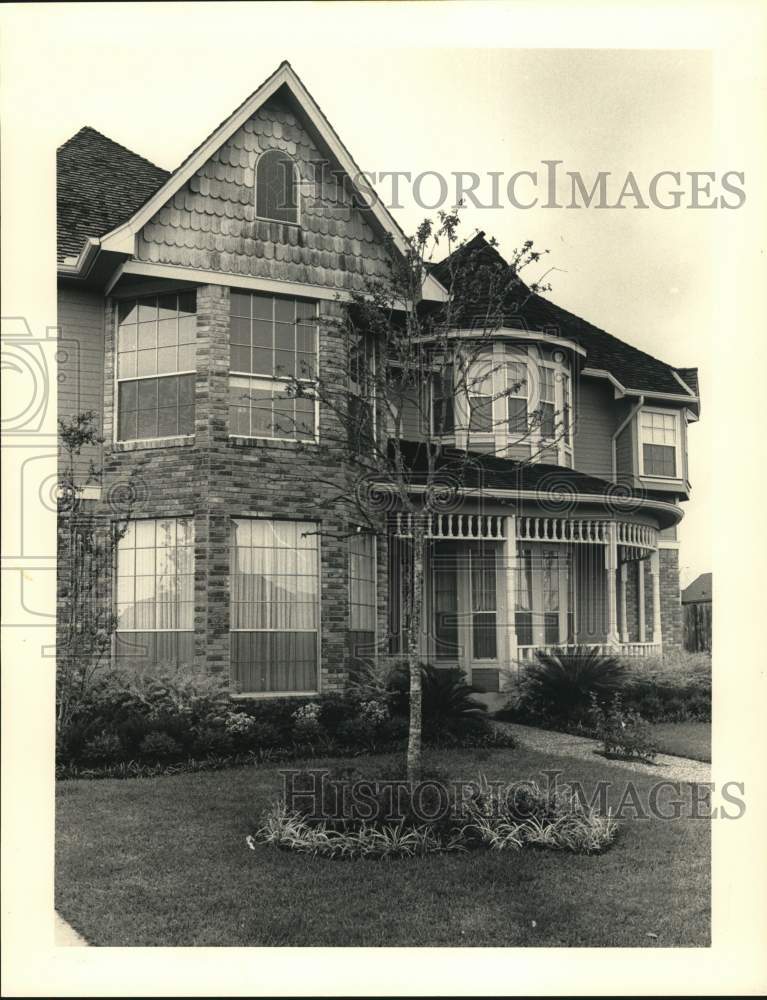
<point x="474" y="471"/>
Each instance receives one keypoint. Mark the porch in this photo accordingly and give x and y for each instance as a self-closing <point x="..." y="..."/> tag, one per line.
<point x="500" y="587"/>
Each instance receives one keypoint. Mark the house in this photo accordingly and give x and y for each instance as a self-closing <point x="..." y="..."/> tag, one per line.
<point x="696" y="614"/>
<point x="184" y="298"/>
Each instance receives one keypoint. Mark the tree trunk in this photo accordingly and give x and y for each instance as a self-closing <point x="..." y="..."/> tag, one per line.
<point x="413" y="659"/>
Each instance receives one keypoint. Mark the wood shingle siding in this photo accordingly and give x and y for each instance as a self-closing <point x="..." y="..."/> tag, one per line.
<point x="211" y="222"/>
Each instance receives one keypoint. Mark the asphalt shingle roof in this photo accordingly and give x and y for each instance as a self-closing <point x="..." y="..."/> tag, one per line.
<point x="699" y="590"/>
<point x="100" y="184"/>
<point x="523" y="309"/>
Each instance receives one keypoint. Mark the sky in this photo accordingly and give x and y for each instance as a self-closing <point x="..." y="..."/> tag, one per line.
<point x="159" y="86"/>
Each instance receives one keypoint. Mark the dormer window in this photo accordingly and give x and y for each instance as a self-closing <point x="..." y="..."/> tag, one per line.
<point x="277" y="187"/>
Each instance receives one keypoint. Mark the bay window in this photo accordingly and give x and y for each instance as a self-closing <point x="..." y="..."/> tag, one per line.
<point x="659" y="435"/>
<point x="274" y="606"/>
<point x="156" y="366"/>
<point x="274" y="343"/>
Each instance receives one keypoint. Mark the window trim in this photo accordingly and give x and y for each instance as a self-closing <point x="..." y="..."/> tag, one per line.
<point x="276" y="379"/>
<point x="116" y="380"/>
<point x="678" y="456"/>
<point x="298" y="182"/>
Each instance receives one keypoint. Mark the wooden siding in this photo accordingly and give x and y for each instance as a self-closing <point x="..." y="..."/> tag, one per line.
<point x="80" y="358"/>
<point x="624" y="453"/>
<point x="596" y="419"/>
<point x="211" y="222"/>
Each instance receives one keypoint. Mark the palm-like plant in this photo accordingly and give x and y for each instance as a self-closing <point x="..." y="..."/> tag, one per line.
<point x="560" y="683"/>
<point x="448" y="702"/>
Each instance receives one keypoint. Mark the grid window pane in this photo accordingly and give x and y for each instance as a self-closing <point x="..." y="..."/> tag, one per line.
<point x="275" y="604"/>
<point x="362" y="583"/>
<point x="155" y="337"/>
<point x="155" y="569"/>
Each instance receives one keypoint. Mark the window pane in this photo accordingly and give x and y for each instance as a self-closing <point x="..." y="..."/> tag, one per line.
<point x="126" y="365"/>
<point x="273" y="589"/>
<point x="147" y="363"/>
<point x="240" y="359"/>
<point x="149" y="581"/>
<point x="517" y="415"/>
<point x="276" y="194"/>
<point x="481" y="419"/>
<point x="166" y="360"/>
<point x="186" y="420"/>
<point x="659" y="460"/>
<point x="147" y="335"/>
<point x="167" y="423"/>
<point x="187" y="358"/>
<point x="186" y="389"/>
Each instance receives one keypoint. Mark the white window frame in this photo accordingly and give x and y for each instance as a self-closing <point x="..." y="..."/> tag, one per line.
<point x="499" y="358"/>
<point x="678" y="455"/>
<point x="117" y="379"/>
<point x="272" y="380"/>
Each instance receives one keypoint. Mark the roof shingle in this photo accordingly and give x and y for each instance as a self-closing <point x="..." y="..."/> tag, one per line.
<point x="100" y="184"/>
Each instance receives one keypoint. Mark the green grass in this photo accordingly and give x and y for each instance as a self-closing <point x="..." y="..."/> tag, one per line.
<point x="684" y="739"/>
<point x="163" y="861"/>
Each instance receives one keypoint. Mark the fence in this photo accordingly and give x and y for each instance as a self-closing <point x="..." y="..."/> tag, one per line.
<point x="697" y="627"/>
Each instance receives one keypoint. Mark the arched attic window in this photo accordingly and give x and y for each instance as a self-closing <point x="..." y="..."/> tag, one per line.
<point x="276" y="187"/>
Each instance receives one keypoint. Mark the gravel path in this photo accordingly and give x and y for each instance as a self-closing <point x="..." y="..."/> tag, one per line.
<point x="563" y="745"/>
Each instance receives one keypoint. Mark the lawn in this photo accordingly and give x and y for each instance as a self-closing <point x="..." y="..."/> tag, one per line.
<point x="163" y="861"/>
<point x="684" y="739"/>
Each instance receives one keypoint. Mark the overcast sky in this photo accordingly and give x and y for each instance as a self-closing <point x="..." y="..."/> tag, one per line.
<point x="160" y="86"/>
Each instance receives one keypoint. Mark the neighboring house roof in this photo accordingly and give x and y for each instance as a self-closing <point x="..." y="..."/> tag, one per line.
<point x="474" y="471"/>
<point x="522" y="309"/>
<point x="699" y="591"/>
<point x="99" y="185"/>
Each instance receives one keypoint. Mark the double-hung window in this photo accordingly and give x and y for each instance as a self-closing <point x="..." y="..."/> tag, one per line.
<point x="516" y="399"/>
<point x="479" y="388"/>
<point x="156" y="366"/>
<point x="660" y="443"/>
<point x="273" y="366"/>
<point x="155" y="591"/>
<point x="275" y="609"/>
<point x="548" y="403"/>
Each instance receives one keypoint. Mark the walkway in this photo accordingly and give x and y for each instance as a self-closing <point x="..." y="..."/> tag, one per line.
<point x="563" y="745"/>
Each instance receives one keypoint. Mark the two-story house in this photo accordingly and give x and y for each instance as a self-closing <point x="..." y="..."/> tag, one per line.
<point x="186" y="300"/>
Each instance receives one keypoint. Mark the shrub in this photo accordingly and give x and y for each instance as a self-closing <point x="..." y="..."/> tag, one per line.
<point x="159" y="746"/>
<point x="103" y="746"/>
<point x="306" y="723"/>
<point x="623" y="732"/>
<point x="449" y="706"/>
<point x="558" y="686"/>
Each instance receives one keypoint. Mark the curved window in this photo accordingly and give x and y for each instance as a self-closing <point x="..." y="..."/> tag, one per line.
<point x="276" y="187"/>
<point x="513" y="399"/>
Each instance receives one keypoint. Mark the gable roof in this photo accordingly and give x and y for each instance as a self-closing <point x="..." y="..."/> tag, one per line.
<point x="633" y="370"/>
<point x="121" y="236"/>
<point x="699" y="590"/>
<point x="99" y="184"/>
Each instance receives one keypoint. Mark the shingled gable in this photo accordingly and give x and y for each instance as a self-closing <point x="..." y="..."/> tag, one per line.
<point x="631" y="370"/>
<point x="284" y="81"/>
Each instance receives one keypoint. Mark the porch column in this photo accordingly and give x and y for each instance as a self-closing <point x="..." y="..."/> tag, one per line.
<point x="611" y="566"/>
<point x="640" y="598"/>
<point x="509" y="577"/>
<point x="657" y="638"/>
<point x="624" y="618"/>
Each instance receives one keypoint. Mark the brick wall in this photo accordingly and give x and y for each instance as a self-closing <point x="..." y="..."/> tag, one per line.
<point x="670" y="600"/>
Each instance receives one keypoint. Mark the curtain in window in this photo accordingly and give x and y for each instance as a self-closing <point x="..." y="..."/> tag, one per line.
<point x="275" y="605"/>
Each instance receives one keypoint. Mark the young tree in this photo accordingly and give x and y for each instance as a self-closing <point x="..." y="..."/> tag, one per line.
<point x="86" y="545"/>
<point x="411" y="367"/>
